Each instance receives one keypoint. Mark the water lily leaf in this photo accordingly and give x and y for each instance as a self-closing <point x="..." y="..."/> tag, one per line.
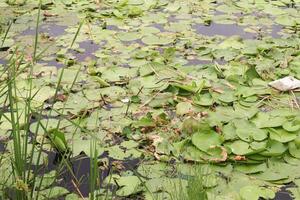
<point x="120" y="154"/>
<point x="54" y="192"/>
<point x="294" y="149"/>
<point x="80" y="145"/>
<point x="191" y="125"/>
<point x="144" y="122"/>
<point x="239" y="147"/>
<point x="247" y="131"/>
<point x="203" y="100"/>
<point x="183" y="108"/>
<point x="102" y="82"/>
<point x="271" y="175"/>
<point x="210" y="181"/>
<point x="251" y="168"/>
<point x="58" y="140"/>
<point x="191" y="153"/>
<point x="274" y="148"/>
<point x="48" y="179"/>
<point x="229" y="131"/>
<point x="253" y="192"/>
<point x="281" y="135"/>
<point x="285" y="20"/>
<point x="265" y="120"/>
<point x="258" y="146"/>
<point x="228" y="97"/>
<point x="129" y="36"/>
<point x="129" y="185"/>
<point x="155" y="40"/>
<point x="72" y="196"/>
<point x="291" y="126"/>
<point x="172" y="7"/>
<point x="204" y="141"/>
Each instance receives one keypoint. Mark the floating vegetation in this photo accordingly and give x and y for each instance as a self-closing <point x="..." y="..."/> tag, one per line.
<point x="149" y="99"/>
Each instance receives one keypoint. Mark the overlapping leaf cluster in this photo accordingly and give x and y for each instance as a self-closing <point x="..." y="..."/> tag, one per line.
<point x="160" y="90"/>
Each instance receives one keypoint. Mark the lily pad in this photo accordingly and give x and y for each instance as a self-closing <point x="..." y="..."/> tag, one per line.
<point x="204" y="141"/>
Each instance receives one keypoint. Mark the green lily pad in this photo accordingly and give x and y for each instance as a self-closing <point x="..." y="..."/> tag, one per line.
<point x="239" y="147"/>
<point x="129" y="185"/>
<point x="129" y="36"/>
<point x="247" y="131"/>
<point x="294" y="150"/>
<point x="274" y="148"/>
<point x="291" y="126"/>
<point x="183" y="108"/>
<point x="251" y="169"/>
<point x="281" y="135"/>
<point x="155" y="40"/>
<point x="204" y="141"/>
<point x="253" y="192"/>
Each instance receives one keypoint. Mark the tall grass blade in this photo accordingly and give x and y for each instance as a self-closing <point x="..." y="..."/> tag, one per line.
<point x="76" y="34"/>
<point x="6" y="32"/>
<point x="37" y="31"/>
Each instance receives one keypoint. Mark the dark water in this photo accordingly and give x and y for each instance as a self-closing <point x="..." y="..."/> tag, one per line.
<point x="197" y="62"/>
<point x="52" y="63"/>
<point x="229" y="30"/>
<point x="2" y="147"/>
<point x="90" y="47"/>
<point x="51" y="29"/>
<point x="284" y="194"/>
<point x="81" y="170"/>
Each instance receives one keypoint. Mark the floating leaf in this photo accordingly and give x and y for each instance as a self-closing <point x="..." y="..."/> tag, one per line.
<point x="281" y="135"/>
<point x="253" y="192"/>
<point x="204" y="141"/>
<point x="183" y="108"/>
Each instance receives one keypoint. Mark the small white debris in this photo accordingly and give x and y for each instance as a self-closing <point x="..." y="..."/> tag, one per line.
<point x="126" y="100"/>
<point x="285" y="84"/>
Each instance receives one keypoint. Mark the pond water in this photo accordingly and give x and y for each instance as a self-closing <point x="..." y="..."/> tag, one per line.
<point x="229" y="30"/>
<point x="50" y="29"/>
<point x="136" y="62"/>
<point x="89" y="47"/>
<point x="81" y="170"/>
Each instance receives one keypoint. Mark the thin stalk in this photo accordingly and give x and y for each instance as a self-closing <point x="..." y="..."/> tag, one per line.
<point x="37" y="31"/>
<point x="76" y="34"/>
<point x="6" y="33"/>
<point x="93" y="170"/>
<point x="17" y="161"/>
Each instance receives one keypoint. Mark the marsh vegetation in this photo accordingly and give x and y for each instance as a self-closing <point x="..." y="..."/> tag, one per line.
<point x="149" y="99"/>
